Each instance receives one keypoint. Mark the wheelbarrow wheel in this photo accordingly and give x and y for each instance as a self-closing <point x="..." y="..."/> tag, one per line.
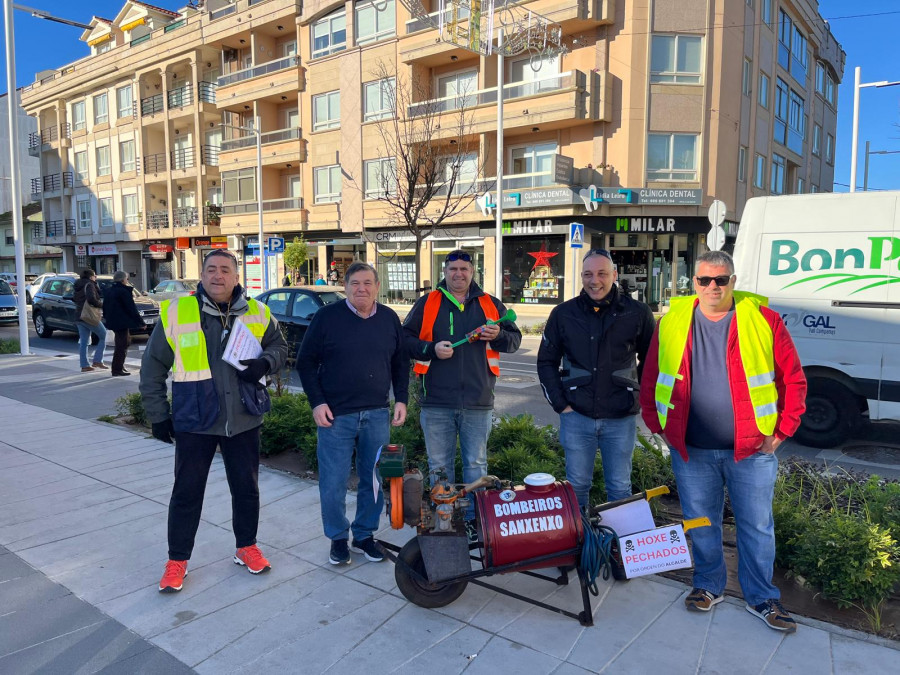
<point x="412" y="588"/>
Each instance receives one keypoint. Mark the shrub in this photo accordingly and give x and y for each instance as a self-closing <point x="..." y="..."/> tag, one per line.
<point x="9" y="346"/>
<point x="410" y="435"/>
<point x="650" y="466"/>
<point x="289" y="425"/>
<point x="133" y="405"/>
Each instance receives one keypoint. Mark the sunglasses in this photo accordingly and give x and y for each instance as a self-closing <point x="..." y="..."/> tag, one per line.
<point x="458" y="255"/>
<point x="720" y="281"/>
<point x="597" y="251"/>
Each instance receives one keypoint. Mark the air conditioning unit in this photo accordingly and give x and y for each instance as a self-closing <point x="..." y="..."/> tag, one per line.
<point x="235" y="243"/>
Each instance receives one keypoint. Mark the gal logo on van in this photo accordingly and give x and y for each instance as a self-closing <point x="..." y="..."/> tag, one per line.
<point x="786" y="258"/>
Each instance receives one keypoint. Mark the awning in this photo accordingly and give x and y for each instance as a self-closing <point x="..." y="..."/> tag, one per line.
<point x="133" y="24"/>
<point x="97" y="41"/>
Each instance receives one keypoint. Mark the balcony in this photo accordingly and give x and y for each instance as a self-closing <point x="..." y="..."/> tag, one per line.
<point x="257" y="71"/>
<point x="152" y="105"/>
<point x="209" y="155"/>
<point x="155" y="163"/>
<point x="268" y="137"/>
<point x="212" y="215"/>
<point x="284" y="204"/>
<point x="206" y="92"/>
<point x="157" y="220"/>
<point x="185" y="216"/>
<point x="181" y="97"/>
<point x="57" y="229"/>
<point x="182" y="158"/>
<point x="222" y="12"/>
<point x="415" y="24"/>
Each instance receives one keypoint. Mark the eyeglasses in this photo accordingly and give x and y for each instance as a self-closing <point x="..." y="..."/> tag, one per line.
<point x="723" y="280"/>
<point x="458" y="255"/>
<point x="597" y="251"/>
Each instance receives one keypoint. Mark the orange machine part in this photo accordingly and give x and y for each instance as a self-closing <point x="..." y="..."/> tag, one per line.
<point x="396" y="503"/>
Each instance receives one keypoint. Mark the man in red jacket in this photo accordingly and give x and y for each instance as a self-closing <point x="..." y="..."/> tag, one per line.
<point x="750" y="392"/>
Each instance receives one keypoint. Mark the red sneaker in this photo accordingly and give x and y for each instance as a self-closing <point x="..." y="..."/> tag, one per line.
<point x="173" y="578"/>
<point x="253" y="559"/>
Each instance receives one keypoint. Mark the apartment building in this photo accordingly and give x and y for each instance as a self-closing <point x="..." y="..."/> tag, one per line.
<point x="653" y="111"/>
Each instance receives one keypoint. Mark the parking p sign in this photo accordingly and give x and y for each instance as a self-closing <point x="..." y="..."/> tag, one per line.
<point x="275" y="244"/>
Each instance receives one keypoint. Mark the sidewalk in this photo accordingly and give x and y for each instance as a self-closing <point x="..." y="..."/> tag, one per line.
<point x="83" y="506"/>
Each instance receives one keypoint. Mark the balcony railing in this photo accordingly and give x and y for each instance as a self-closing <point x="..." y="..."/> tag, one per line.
<point x="68" y="179"/>
<point x="212" y="214"/>
<point x="174" y="26"/>
<point x="206" y="92"/>
<point x="185" y="216"/>
<point x="513" y="90"/>
<point x="152" y="105"/>
<point x="52" y="182"/>
<point x="34" y="140"/>
<point x="224" y="11"/>
<point x="182" y="158"/>
<point x="181" y="97"/>
<point x="139" y="40"/>
<point x="36" y="186"/>
<point x="209" y="155"/>
<point x="518" y="181"/>
<point x="256" y="71"/>
<point x="283" y="204"/>
<point x="59" y="228"/>
<point x="157" y="220"/>
<point x="155" y="163"/>
<point x="249" y="141"/>
<point x="414" y="25"/>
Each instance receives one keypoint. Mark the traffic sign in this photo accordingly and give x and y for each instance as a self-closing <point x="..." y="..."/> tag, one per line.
<point x="576" y="235"/>
<point x="715" y="240"/>
<point x="275" y="244"/>
<point x="717" y="212"/>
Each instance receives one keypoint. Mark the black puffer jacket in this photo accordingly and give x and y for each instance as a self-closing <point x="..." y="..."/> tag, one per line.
<point x="119" y="310"/>
<point x="599" y="376"/>
<point x="86" y="291"/>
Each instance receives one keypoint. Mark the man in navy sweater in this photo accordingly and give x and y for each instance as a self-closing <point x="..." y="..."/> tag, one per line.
<point x="350" y="358"/>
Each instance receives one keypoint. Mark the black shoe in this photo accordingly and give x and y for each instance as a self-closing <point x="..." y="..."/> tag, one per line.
<point x="471" y="532"/>
<point x="122" y="374"/>
<point x="339" y="555"/>
<point x="369" y="548"/>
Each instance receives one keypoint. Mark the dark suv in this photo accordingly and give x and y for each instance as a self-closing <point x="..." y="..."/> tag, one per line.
<point x="54" y="306"/>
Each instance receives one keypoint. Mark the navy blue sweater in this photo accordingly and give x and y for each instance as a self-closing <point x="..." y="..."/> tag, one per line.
<point x="350" y="363"/>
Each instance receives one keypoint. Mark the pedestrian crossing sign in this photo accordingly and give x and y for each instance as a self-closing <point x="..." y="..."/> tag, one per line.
<point x="576" y="235"/>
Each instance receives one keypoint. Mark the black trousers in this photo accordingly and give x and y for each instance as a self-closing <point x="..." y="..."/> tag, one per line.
<point x="193" y="456"/>
<point x="123" y="339"/>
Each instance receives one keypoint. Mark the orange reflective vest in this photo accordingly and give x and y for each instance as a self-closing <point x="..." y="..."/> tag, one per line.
<point x="426" y="332"/>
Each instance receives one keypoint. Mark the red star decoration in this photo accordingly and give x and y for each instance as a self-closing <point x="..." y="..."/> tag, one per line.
<point x="542" y="257"/>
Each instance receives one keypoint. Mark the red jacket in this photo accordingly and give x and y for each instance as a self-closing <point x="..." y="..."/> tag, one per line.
<point x="789" y="379"/>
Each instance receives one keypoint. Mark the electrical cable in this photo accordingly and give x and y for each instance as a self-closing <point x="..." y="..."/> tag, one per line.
<point x="596" y="552"/>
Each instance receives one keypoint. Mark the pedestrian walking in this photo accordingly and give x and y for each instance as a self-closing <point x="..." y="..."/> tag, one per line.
<point x="88" y="322"/>
<point x="350" y="358"/>
<point x="600" y="338"/>
<point x="121" y="315"/>
<point x="214" y="405"/>
<point x="724" y="384"/>
<point x="320" y="281"/>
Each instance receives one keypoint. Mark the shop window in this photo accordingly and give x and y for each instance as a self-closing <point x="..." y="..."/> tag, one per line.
<point x="533" y="269"/>
<point x="676" y="59"/>
<point x="440" y="249"/>
<point x="396" y="265"/>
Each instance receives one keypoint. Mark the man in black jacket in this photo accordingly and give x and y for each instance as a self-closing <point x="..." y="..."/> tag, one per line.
<point x="120" y="315"/>
<point x="456" y="386"/>
<point x="596" y="336"/>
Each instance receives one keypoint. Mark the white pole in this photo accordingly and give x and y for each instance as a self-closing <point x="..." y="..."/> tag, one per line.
<point x="12" y="100"/>
<point x="498" y="236"/>
<point x="259" y="204"/>
<point x="854" y="152"/>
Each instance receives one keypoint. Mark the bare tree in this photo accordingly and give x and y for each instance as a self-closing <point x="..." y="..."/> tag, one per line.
<point x="430" y="175"/>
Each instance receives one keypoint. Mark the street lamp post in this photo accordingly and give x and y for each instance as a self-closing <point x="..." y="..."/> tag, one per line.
<point x="866" y="170"/>
<point x="259" y="200"/>
<point x="854" y="149"/>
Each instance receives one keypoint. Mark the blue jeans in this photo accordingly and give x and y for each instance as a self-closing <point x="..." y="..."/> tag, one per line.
<point x="615" y="436"/>
<point x="84" y="340"/>
<point x="442" y="426"/>
<point x="366" y="431"/>
<point x="751" y="486"/>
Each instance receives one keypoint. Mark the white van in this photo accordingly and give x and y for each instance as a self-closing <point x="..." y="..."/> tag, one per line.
<point x="830" y="264"/>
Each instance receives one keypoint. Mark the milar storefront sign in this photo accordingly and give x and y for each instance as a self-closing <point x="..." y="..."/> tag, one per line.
<point x="590" y="198"/>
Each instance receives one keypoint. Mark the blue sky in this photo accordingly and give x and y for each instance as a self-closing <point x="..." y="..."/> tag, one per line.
<point x="868" y="32"/>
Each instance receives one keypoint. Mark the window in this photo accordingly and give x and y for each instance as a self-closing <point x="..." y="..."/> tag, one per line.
<point x="759" y="176"/>
<point x="801" y="185"/>
<point x="106" y="212"/>
<point x="380" y="177"/>
<point x="10" y="238"/>
<point x="466" y="169"/>
<point x="124" y="102"/>
<point x="542" y="70"/>
<point x="101" y="109"/>
<point x="796" y="123"/>
<point x="329" y="34"/>
<point x="375" y="21"/>
<point x="240" y="185"/>
<point x="829" y="89"/>
<point x="749" y="3"/>
<point x="327" y="184"/>
<point x="820" y="78"/>
<point x="103" y="168"/>
<point x="126" y="156"/>
<point x="813" y="188"/>
<point x="817" y="140"/>
<point x="776" y="181"/>
<point x="78" y="116"/>
<point x="327" y="111"/>
<point x="462" y="86"/>
<point x="763" y="90"/>
<point x="765" y="11"/>
<point x="676" y="59"/>
<point x="672" y="157"/>
<point x="829" y="148"/>
<point x="130" y="209"/>
<point x="746" y="76"/>
<point x="81" y="166"/>
<point x="792" y="47"/>
<point x="84" y="214"/>
<point x="742" y="164"/>
<point x="304" y="306"/>
<point x="378" y="99"/>
<point x="531" y="166"/>
<point x="278" y="302"/>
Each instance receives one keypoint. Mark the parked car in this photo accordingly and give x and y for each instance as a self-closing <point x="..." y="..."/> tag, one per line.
<point x="9" y="310"/>
<point x="54" y="306"/>
<point x="174" y="288"/>
<point x="35" y="285"/>
<point x="294" y="307"/>
<point x="13" y="279"/>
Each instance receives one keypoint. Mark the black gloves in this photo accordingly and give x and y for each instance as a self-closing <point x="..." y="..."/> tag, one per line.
<point x="164" y="430"/>
<point x="256" y="369"/>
